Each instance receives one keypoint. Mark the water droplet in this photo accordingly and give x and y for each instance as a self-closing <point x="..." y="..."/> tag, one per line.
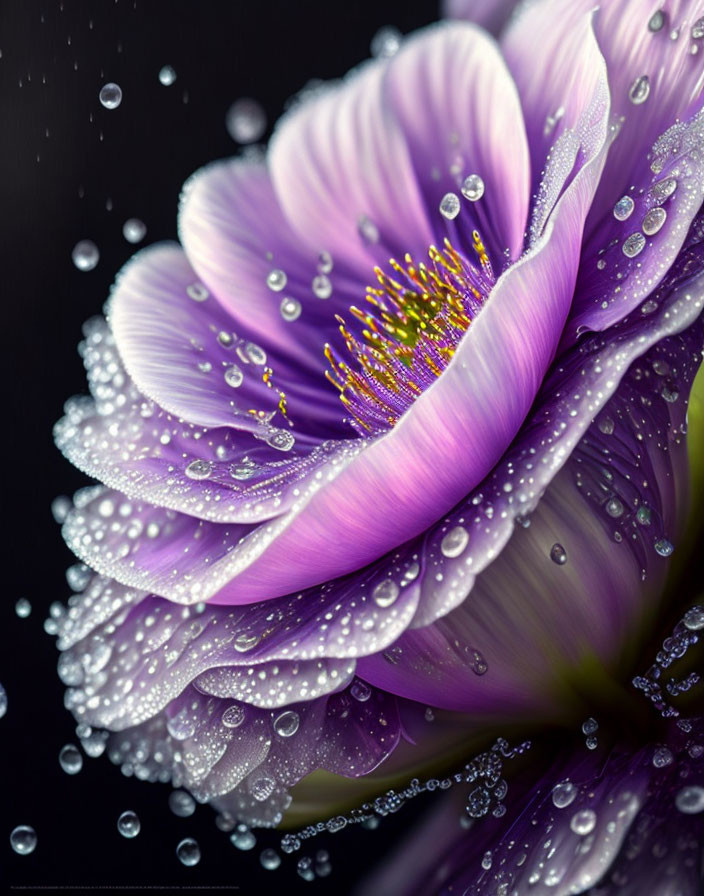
<point x="276" y="280"/>
<point x="181" y="803"/>
<point x="694" y="619"/>
<point x="280" y="439"/>
<point x="653" y="221"/>
<point x="255" y="353"/>
<point x="286" y="724"/>
<point x="23" y="839"/>
<point x="640" y="90"/>
<point x="290" y="308"/>
<point x="110" y="95"/>
<point x="614" y="508"/>
<point x="324" y="263"/>
<point x="662" y="757"/>
<point x="246" y="641"/>
<point x="606" y="425"/>
<point x="70" y="759"/>
<point x="60" y="508"/>
<point x="583" y="822"/>
<point x="262" y="788"/>
<point x="197" y="292"/>
<point x="85" y="255"/>
<point x="360" y="690"/>
<point x="486" y="860"/>
<point x="590" y="726"/>
<point x="657" y="20"/>
<point x="385" y="593"/>
<point x="368" y="230"/>
<point x="690" y="799"/>
<point x="245" y="121"/>
<point x="563" y="794"/>
<point x="473" y="188"/>
<point x="23" y="608"/>
<point x="243" y="838"/>
<point x="648" y="307"/>
<point x="128" y="824"/>
<point x="450" y="206"/>
<point x="664" y="189"/>
<point x="454" y="542"/>
<point x="134" y="230"/>
<point x="698" y="29"/>
<point x="624" y="208"/>
<point x="233" y="716"/>
<point x="663" y="547"/>
<point x="167" y="75"/>
<point x="270" y="859"/>
<point x="633" y="245"/>
<point x="386" y="42"/>
<point x="188" y="852"/>
<point x="322" y="287"/>
<point x="199" y="469"/>
<point x="558" y="554"/>
<point x="234" y="376"/>
<point x="243" y="470"/>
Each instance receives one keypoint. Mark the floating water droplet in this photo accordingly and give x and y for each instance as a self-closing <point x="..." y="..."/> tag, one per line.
<point x="698" y="29"/>
<point x="23" y="608"/>
<point x="322" y="286"/>
<point x="360" y="690"/>
<point x="640" y="90"/>
<point x="454" y="542"/>
<point x="653" y="221"/>
<point x="583" y="822"/>
<point x="290" y="309"/>
<point x="199" y="469"/>
<point x="234" y="376"/>
<point x="386" y="42"/>
<point x="23" y="839"/>
<point x="558" y="554"/>
<point x="110" y="95"/>
<point x="85" y="255"/>
<point x="657" y="20"/>
<point x="167" y="75"/>
<point x="624" y="208"/>
<point x="233" y="716"/>
<point x="590" y="726"/>
<point x="134" y="230"/>
<point x="690" y="800"/>
<point x="197" y="292"/>
<point x="694" y="619"/>
<point x="188" y="852"/>
<point x="663" y="547"/>
<point x="385" y="593"/>
<point x="128" y="824"/>
<point x="270" y="859"/>
<point x="450" y="206"/>
<point x="662" y="757"/>
<point x="563" y="794"/>
<point x="633" y="245"/>
<point x="181" y="803"/>
<point x="60" y="508"/>
<point x="70" y="759"/>
<point x="276" y="280"/>
<point x="255" y="353"/>
<point x="286" y="724"/>
<point x="243" y="838"/>
<point x="245" y="121"/>
<point x="473" y="188"/>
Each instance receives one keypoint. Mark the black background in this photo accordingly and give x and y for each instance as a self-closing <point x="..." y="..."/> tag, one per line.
<point x="58" y="174"/>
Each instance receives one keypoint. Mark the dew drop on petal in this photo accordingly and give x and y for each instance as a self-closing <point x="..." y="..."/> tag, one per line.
<point x="694" y="619"/>
<point x="188" y="852"/>
<point x="662" y="757"/>
<point x="199" y="469"/>
<point x="290" y="309"/>
<point x="454" y="542"/>
<point x="624" y="208"/>
<point x="698" y="29"/>
<point x="590" y="726"/>
<point x="246" y="641"/>
<point x="262" y="788"/>
<point x="386" y="42"/>
<point x="633" y="245"/>
<point x="653" y="221"/>
<point x="110" y="95"/>
<point x="85" y="255"/>
<point x="276" y="280"/>
<point x="450" y="206"/>
<point x="167" y="75"/>
<point x="663" y="547"/>
<point x="280" y="439"/>
<point x="270" y="859"/>
<point x="233" y="716"/>
<point x="181" y="803"/>
<point x="385" y="593"/>
<point x="245" y="121"/>
<point x="23" y="839"/>
<point x="690" y="800"/>
<point x="234" y="376"/>
<point x="473" y="188"/>
<point x="563" y="794"/>
<point x="128" y="824"/>
<point x="368" y="230"/>
<point x="322" y="287"/>
<point x="70" y="759"/>
<point x="614" y="508"/>
<point x="360" y="690"/>
<point x="657" y="20"/>
<point x="134" y="230"/>
<point x="583" y="822"/>
<point x="197" y="292"/>
<point x="286" y="724"/>
<point x="255" y="353"/>
<point x="640" y="90"/>
<point x="23" y="608"/>
<point x="558" y="554"/>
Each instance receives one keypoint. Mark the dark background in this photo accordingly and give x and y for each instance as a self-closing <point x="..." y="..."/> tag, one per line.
<point x="59" y="169"/>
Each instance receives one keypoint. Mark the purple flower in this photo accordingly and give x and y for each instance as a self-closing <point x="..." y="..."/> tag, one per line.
<point x="401" y="422"/>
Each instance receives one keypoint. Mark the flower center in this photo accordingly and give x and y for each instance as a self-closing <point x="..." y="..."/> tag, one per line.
<point x="403" y="340"/>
